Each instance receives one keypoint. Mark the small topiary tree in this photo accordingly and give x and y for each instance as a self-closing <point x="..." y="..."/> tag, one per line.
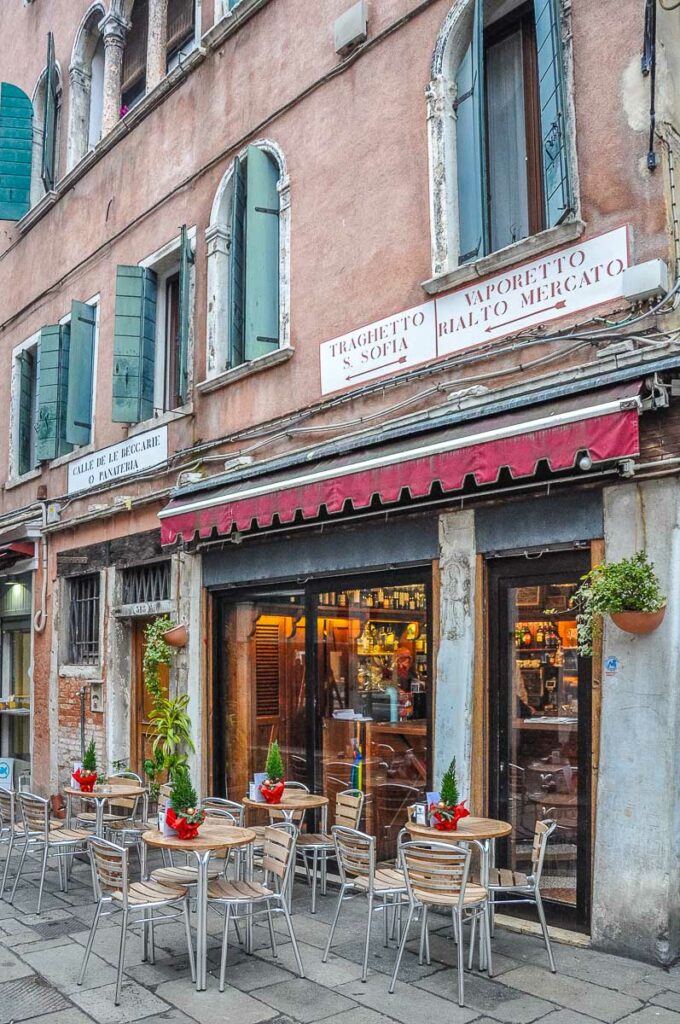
<point x="449" y="788"/>
<point x="274" y="765"/>
<point x="90" y="759"/>
<point x="183" y="795"/>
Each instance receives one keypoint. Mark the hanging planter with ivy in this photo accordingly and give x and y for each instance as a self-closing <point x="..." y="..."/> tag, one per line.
<point x="628" y="591"/>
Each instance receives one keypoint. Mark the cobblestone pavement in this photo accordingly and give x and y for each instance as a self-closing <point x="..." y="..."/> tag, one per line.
<point x="40" y="958"/>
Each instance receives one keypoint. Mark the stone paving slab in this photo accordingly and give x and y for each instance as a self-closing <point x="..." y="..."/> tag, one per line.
<point x="228" y="1007"/>
<point x="408" y="1003"/>
<point x="490" y="997"/>
<point x="61" y="966"/>
<point x="602" y="1003"/>
<point x="24" y="998"/>
<point x="136" y="1002"/>
<point x="305" y="1000"/>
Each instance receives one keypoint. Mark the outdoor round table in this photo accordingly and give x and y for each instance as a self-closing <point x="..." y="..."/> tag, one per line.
<point x="113" y="792"/>
<point x="212" y="838"/>
<point x="294" y="800"/>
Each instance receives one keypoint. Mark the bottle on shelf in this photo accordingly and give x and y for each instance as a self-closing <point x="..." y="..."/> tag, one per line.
<point x="540" y="635"/>
<point x="527" y="639"/>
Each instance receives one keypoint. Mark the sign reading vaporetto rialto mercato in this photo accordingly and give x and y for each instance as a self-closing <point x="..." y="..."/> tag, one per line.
<point x="143" y="451"/>
<point x="558" y="285"/>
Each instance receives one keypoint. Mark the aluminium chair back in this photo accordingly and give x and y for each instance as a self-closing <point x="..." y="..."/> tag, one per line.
<point x="110" y="867"/>
<point x="7" y="810"/>
<point x="35" y="814"/>
<point x="234" y="808"/>
<point x="127" y="803"/>
<point x="221" y="814"/>
<point x="355" y="853"/>
<point x="298" y="816"/>
<point x="349" y="806"/>
<point x="542" y="832"/>
<point x="435" y="871"/>
<point x="279" y="851"/>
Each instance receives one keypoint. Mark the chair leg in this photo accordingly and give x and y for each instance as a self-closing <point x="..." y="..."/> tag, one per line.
<point x="386" y="924"/>
<point x="364" y="972"/>
<point x="315" y="873"/>
<point x="42" y="876"/>
<point x="421" y="948"/>
<point x="225" y="942"/>
<point x="292" y="937"/>
<point x="341" y="894"/>
<point x="428" y="961"/>
<point x="272" y="933"/>
<point x="21" y="868"/>
<point x="473" y="935"/>
<point x="90" y="940"/>
<point x="190" y="945"/>
<point x="461" y="959"/>
<point x="9" y="854"/>
<point x="152" y="940"/>
<point x="324" y="872"/>
<point x="544" y="927"/>
<point x="121" y="956"/>
<point x="487" y="937"/>
<point x="402" y="944"/>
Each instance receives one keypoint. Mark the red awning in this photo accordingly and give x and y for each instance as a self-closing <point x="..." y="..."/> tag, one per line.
<point x="603" y="424"/>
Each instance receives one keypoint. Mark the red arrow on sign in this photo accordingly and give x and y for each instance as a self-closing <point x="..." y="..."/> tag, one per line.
<point x="384" y="366"/>
<point x="558" y="305"/>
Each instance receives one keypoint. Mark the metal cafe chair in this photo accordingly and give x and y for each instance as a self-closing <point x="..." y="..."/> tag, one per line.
<point x="269" y="895"/>
<point x="8" y="828"/>
<point x="114" y="890"/>
<point x="111" y="820"/>
<point x="37" y="836"/>
<point x="355" y="852"/>
<point x="437" y="876"/>
<point x="526" y="888"/>
<point x="349" y="805"/>
<point x="187" y="874"/>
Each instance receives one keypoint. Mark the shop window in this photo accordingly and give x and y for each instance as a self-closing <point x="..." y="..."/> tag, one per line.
<point x="25" y="379"/>
<point x="143" y="584"/>
<point x="152" y="333"/>
<point x="86" y="87"/>
<point x="505" y="149"/>
<point x="83" y="620"/>
<point x="248" y="261"/>
<point x="15" y="691"/>
<point x="134" y="57"/>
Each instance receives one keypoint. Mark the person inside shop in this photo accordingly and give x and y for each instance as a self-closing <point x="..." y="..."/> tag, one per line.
<point x="524" y="708"/>
<point x="407" y="682"/>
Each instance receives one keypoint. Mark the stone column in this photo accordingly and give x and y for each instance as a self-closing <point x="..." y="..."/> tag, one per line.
<point x="156" y="48"/>
<point x="80" y="88"/>
<point x="113" y="30"/>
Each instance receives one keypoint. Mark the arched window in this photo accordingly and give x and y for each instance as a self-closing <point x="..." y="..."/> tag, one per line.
<point x="499" y="144"/>
<point x="134" y="59"/>
<point x="248" y="260"/>
<point x="86" y="87"/>
<point x="46" y="125"/>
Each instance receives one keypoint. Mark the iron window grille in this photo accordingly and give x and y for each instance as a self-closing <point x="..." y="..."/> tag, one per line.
<point x="83" y="631"/>
<point x="143" y="584"/>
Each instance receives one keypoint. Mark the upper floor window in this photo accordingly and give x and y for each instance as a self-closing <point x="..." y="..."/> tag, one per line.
<point x="505" y="150"/>
<point x="134" y="57"/>
<point x="248" y="261"/>
<point x="181" y="32"/>
<point x="25" y="377"/>
<point x="86" y="86"/>
<point x="16" y="143"/>
<point x="46" y="124"/>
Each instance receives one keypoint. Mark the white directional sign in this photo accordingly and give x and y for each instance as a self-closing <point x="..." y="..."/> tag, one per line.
<point x="558" y="285"/>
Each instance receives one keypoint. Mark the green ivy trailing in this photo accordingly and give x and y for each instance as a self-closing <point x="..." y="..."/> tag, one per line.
<point x="630" y="585"/>
<point x="169" y="719"/>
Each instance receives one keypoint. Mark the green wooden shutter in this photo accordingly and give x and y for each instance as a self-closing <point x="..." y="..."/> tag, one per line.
<point x="50" y="120"/>
<point x="53" y="391"/>
<point x="473" y="228"/>
<point x="16" y="147"/>
<point x="81" y="373"/>
<point x="553" y="111"/>
<point x="262" y="255"/>
<point x="134" y="344"/>
<point x="25" y="459"/>
<point x="237" y="266"/>
<point x="186" y="259"/>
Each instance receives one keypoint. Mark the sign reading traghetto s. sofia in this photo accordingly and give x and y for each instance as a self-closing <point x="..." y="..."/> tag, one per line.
<point x="143" y="451"/>
<point x="557" y="285"/>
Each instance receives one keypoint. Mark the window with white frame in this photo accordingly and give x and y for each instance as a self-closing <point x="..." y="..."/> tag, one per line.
<point x="25" y="378"/>
<point x="249" y="260"/>
<point x="499" y="145"/>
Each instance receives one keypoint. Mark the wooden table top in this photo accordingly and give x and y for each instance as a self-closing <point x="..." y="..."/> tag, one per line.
<point x="114" y="791"/>
<point x="295" y="800"/>
<point x="212" y="836"/>
<point x="468" y="829"/>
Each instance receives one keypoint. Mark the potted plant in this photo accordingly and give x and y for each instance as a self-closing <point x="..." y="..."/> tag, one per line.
<point x="628" y="591"/>
<point x="86" y="775"/>
<point x="176" y="636"/>
<point x="184" y="814"/>
<point x="273" y="786"/>
<point x="446" y="814"/>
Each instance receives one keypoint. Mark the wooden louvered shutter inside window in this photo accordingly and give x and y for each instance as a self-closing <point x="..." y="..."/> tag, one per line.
<point x="81" y="373"/>
<point x="180" y="23"/>
<point x="267" y="670"/>
<point x="553" y="112"/>
<point x="262" y="255"/>
<point x="16" y="148"/>
<point x="237" y="266"/>
<point x="26" y="405"/>
<point x="186" y="259"/>
<point x="473" y="228"/>
<point x="50" y="120"/>
<point x="55" y="343"/>
<point x="134" y="56"/>
<point x="134" y="344"/>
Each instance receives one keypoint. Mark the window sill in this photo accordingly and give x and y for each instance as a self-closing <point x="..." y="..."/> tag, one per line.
<point x="92" y="672"/>
<point x="281" y="355"/>
<point x="159" y="421"/>
<point x="77" y="453"/>
<point x="17" y="481"/>
<point x="230" y="22"/>
<point x="570" y="231"/>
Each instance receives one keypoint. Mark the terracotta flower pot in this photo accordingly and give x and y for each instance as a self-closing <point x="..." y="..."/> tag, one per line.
<point x="177" y="636"/>
<point x="638" y="622"/>
<point x="273" y="794"/>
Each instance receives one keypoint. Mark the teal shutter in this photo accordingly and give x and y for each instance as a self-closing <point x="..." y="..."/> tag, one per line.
<point x="53" y="391"/>
<point x="262" y="255"/>
<point x="473" y="229"/>
<point x="16" y="146"/>
<point x="25" y="459"/>
<point x="50" y="120"/>
<point x="134" y="345"/>
<point x="237" y="266"/>
<point x="186" y="259"/>
<point x="553" y="111"/>
<point x="81" y="373"/>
